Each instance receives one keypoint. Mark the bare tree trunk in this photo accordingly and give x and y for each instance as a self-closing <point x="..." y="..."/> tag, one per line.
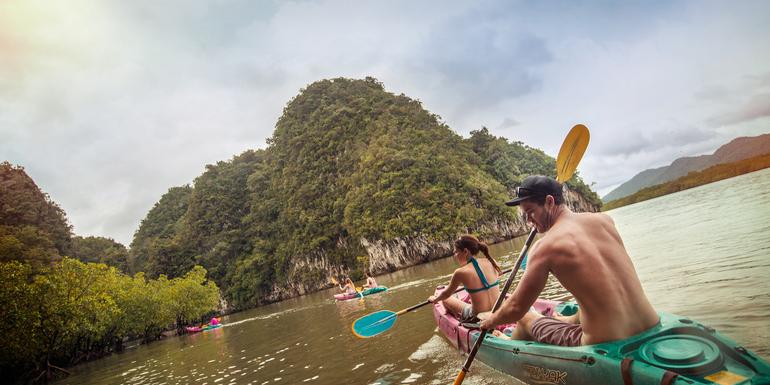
<point x="56" y="367"/>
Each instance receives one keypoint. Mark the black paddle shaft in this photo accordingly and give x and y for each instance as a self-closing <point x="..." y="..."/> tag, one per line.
<point x="500" y="299"/>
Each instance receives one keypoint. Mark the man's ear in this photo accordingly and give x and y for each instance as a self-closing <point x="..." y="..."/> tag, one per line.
<point x="550" y="199"/>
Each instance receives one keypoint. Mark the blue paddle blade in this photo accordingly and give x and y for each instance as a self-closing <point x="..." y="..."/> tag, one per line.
<point x="374" y="324"/>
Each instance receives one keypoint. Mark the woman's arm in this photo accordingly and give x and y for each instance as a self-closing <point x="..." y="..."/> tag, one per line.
<point x="454" y="283"/>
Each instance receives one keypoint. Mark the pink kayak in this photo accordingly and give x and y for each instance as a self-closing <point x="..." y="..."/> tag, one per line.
<point x="195" y="329"/>
<point x="461" y="336"/>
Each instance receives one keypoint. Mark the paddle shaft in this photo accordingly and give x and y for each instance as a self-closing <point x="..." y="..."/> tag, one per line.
<point x="500" y="299"/>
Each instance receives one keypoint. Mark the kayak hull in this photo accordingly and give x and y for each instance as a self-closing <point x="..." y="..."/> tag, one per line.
<point x="696" y="353"/>
<point x="346" y="296"/>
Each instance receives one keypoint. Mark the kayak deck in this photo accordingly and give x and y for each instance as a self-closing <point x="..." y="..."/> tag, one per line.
<point x="697" y="354"/>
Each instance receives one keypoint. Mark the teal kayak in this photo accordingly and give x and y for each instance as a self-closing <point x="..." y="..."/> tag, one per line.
<point x="364" y="293"/>
<point x="678" y="350"/>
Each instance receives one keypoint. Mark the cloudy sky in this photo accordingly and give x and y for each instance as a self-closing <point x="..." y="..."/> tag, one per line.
<point x="107" y="104"/>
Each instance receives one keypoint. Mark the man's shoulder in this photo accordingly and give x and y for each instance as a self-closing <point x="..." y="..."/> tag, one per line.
<point x="582" y="222"/>
<point x="547" y="244"/>
<point x="559" y="241"/>
<point x="597" y="216"/>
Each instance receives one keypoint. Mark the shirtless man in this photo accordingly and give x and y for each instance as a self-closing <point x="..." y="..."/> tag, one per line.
<point x="585" y="253"/>
<point x="370" y="282"/>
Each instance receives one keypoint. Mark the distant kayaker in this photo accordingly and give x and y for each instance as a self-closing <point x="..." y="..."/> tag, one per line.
<point x="479" y="276"/>
<point x="349" y="287"/>
<point x="586" y="254"/>
<point x="370" y="282"/>
<point x="214" y="321"/>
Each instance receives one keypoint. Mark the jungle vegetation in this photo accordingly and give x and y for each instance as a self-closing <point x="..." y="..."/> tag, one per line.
<point x="347" y="160"/>
<point x="64" y="298"/>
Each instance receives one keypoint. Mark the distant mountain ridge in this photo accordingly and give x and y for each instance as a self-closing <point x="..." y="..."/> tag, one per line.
<point x="737" y="149"/>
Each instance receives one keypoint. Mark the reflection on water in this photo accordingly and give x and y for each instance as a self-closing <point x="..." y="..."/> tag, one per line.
<point x="703" y="253"/>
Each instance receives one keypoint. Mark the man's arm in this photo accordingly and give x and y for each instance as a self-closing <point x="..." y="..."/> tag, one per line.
<point x="532" y="283"/>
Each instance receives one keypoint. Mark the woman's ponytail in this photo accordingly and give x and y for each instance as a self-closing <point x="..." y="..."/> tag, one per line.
<point x="485" y="249"/>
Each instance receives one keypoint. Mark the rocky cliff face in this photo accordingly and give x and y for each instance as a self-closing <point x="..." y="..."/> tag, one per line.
<point x="385" y="256"/>
<point x="314" y="272"/>
<point x="310" y="273"/>
<point x="579" y="204"/>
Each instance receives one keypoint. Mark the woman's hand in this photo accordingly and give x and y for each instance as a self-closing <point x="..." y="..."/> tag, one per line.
<point x="432" y="299"/>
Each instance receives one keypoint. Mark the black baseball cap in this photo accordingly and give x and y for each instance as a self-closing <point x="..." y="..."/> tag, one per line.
<point x="536" y="185"/>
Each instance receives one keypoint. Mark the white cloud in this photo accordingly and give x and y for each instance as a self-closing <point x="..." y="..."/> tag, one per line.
<point x="108" y="104"/>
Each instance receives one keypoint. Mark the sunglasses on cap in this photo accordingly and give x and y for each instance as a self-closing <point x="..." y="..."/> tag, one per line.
<point x="527" y="192"/>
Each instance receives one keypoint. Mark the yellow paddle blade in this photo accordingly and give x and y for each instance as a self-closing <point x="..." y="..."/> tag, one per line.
<point x="571" y="152"/>
<point x="334" y="281"/>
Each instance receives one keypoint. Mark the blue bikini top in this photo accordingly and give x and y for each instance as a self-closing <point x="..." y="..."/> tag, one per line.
<point x="484" y="283"/>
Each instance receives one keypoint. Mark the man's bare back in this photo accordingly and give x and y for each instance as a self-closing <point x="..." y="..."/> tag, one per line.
<point x="586" y="254"/>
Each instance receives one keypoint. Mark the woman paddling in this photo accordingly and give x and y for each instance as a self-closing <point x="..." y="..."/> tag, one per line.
<point x="479" y="276"/>
<point x="349" y="287"/>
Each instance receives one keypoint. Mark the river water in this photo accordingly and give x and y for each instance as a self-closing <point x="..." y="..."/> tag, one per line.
<point x="703" y="253"/>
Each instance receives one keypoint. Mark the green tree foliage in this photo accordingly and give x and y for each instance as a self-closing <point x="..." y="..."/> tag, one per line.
<point x="406" y="190"/>
<point x="146" y="307"/>
<point x="168" y="257"/>
<point x="27" y="244"/>
<point x="200" y="225"/>
<point x="213" y="228"/>
<point x="253" y="277"/>
<point x="354" y="160"/>
<point x="73" y="310"/>
<point x="192" y="296"/>
<point x="100" y="250"/>
<point x="157" y="230"/>
<point x="18" y="310"/>
<point x="76" y="308"/>
<point x="510" y="162"/>
<point x="23" y="204"/>
<point x="694" y="179"/>
<point x="347" y="160"/>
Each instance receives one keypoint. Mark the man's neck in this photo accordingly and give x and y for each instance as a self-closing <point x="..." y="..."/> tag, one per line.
<point x="561" y="211"/>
